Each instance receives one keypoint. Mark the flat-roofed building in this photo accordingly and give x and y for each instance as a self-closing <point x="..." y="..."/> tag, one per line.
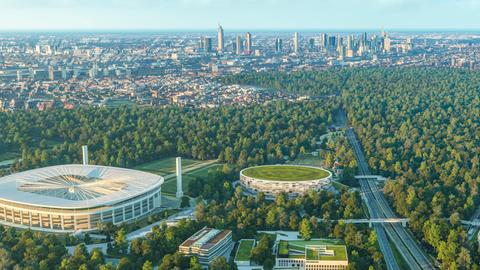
<point x="315" y="254"/>
<point x="208" y="244"/>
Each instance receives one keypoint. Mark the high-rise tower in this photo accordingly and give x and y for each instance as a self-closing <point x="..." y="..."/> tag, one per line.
<point x="295" y="42"/>
<point x="248" y="43"/>
<point x="238" y="45"/>
<point x="221" y="40"/>
<point x="278" y="45"/>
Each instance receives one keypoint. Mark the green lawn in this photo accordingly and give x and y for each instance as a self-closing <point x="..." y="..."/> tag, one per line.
<point x="165" y="166"/>
<point x="306" y="159"/>
<point x="297" y="249"/>
<point x="286" y="173"/>
<point x="170" y="185"/>
<point x="120" y="102"/>
<point x="8" y="156"/>
<point x="340" y="254"/>
<point x="244" y="249"/>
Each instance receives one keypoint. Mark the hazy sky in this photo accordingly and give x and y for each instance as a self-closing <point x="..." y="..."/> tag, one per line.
<point x="238" y="14"/>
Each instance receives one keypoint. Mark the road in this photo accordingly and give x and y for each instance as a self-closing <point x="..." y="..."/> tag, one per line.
<point x="471" y="229"/>
<point x="378" y="207"/>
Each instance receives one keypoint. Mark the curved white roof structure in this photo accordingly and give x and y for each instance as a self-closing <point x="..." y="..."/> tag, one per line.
<point x="76" y="186"/>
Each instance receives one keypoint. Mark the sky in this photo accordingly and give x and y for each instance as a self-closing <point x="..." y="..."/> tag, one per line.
<point x="239" y="14"/>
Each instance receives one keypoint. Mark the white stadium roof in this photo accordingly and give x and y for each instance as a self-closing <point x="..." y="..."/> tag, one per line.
<point x="76" y="186"/>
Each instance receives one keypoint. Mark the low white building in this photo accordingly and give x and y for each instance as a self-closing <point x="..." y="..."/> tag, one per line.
<point x="207" y="244"/>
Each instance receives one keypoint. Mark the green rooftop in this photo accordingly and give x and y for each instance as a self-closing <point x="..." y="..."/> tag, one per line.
<point x="286" y="173"/>
<point x="244" y="250"/>
<point x="321" y="249"/>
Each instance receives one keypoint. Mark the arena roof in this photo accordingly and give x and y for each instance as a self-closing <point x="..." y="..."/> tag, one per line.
<point x="76" y="186"/>
<point x="287" y="173"/>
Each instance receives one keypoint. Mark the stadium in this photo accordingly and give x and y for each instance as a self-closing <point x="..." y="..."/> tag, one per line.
<point x="292" y="179"/>
<point x="77" y="198"/>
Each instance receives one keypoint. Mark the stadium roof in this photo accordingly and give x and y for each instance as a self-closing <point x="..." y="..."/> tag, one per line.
<point x="76" y="186"/>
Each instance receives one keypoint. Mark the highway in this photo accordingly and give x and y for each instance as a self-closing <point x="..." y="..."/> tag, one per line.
<point x="378" y="207"/>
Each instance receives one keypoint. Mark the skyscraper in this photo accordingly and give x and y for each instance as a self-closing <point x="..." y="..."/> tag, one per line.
<point x="324" y="40"/>
<point x="207" y="44"/>
<point x="201" y="43"/>
<point x="386" y="44"/>
<point x="238" y="45"/>
<point x="339" y="45"/>
<point x="295" y="42"/>
<point x="248" y="43"/>
<point x="311" y="44"/>
<point x="221" y="41"/>
<point x="278" y="45"/>
<point x="19" y="75"/>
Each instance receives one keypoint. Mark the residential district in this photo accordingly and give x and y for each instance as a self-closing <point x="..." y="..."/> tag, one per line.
<point x="39" y="71"/>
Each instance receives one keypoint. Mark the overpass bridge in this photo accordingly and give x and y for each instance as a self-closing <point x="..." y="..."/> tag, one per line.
<point x="473" y="223"/>
<point x="371" y="177"/>
<point x="371" y="221"/>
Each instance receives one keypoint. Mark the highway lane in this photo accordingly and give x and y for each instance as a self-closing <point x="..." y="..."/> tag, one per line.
<point x="379" y="208"/>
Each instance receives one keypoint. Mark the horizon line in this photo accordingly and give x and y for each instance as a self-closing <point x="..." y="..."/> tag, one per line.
<point x="238" y="30"/>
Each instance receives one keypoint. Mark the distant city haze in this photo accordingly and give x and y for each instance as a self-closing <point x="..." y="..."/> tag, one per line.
<point x="245" y="14"/>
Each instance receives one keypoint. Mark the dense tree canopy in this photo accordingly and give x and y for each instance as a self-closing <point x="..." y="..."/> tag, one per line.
<point x="419" y="126"/>
<point x="129" y="136"/>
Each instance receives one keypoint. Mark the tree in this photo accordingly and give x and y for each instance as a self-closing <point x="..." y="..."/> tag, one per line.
<point x="124" y="264"/>
<point x="305" y="229"/>
<point x="262" y="251"/>
<point x="147" y="265"/>
<point x="185" y="202"/>
<point x="194" y="264"/>
<point x="120" y="242"/>
<point x="219" y="263"/>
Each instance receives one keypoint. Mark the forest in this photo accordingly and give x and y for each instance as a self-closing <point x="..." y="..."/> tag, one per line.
<point x="420" y="127"/>
<point x="126" y="137"/>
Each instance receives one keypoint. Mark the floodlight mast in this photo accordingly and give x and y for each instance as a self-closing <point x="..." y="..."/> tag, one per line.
<point x="85" y="154"/>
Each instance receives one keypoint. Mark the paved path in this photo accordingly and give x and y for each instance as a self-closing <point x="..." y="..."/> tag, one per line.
<point x="140" y="233"/>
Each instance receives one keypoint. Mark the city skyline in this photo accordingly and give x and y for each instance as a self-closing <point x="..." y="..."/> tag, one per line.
<point x="57" y="15"/>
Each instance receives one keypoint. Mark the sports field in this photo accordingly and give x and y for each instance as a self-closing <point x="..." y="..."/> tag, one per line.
<point x="170" y="185"/>
<point x="167" y="168"/>
<point x="286" y="173"/>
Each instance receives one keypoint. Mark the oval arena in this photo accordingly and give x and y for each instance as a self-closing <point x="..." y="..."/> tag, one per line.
<point x="292" y="179"/>
<point x="72" y="198"/>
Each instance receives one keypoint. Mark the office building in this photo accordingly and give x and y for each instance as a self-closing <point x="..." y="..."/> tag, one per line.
<point x="248" y="43"/>
<point x="278" y="45"/>
<point x="207" y="244"/>
<point x="315" y="254"/>
<point x="386" y="44"/>
<point x="221" y="39"/>
<point x="295" y="43"/>
<point x="208" y="47"/>
<point x="324" y="40"/>
<point x="238" y="45"/>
